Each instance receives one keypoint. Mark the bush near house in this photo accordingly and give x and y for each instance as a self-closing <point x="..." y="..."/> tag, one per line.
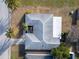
<point x="28" y="11"/>
<point x="61" y="52"/>
<point x="25" y="27"/>
<point x="9" y="33"/>
<point x="12" y="32"/>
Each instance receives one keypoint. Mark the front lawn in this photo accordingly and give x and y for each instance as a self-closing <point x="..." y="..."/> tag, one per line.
<point x="51" y="3"/>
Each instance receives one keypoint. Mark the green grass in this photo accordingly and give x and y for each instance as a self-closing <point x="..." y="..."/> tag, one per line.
<point x="52" y="3"/>
<point x="76" y="56"/>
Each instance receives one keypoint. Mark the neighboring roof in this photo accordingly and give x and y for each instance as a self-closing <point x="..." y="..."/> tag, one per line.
<point x="4" y="20"/>
<point x="44" y="26"/>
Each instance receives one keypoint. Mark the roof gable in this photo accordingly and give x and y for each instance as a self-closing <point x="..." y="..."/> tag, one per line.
<point x="41" y="17"/>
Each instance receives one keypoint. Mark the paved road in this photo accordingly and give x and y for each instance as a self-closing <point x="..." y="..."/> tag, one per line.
<point x="4" y="22"/>
<point x="4" y="19"/>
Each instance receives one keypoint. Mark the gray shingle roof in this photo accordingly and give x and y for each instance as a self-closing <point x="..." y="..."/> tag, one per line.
<point x="43" y="31"/>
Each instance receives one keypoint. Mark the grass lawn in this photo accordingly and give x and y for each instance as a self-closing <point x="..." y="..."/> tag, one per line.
<point x="77" y="57"/>
<point x="52" y="3"/>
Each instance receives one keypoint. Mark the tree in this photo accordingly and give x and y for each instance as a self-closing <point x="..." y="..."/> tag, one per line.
<point x="61" y="52"/>
<point x="13" y="4"/>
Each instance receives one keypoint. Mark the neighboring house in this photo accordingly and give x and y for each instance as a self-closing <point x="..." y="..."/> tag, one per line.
<point x="44" y="33"/>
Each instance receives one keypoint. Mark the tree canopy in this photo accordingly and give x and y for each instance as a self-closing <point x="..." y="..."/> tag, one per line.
<point x="61" y="52"/>
<point x="13" y="4"/>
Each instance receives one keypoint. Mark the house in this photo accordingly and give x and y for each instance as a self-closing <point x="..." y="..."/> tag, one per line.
<point x="44" y="33"/>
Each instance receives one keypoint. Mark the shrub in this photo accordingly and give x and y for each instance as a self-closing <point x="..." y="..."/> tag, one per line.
<point x="9" y="33"/>
<point x="28" y="12"/>
<point x="61" y="52"/>
<point x="25" y="26"/>
<point x="12" y="32"/>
